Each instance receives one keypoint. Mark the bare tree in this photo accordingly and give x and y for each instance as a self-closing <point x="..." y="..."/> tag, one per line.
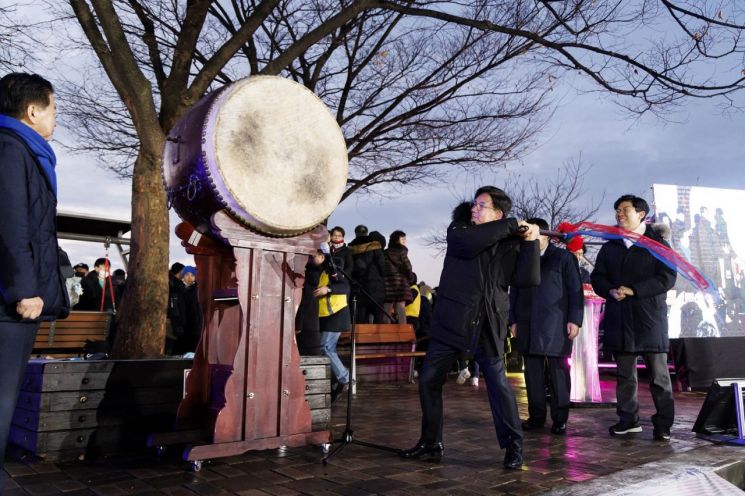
<point x="411" y="98"/>
<point x="604" y="41"/>
<point x="557" y="198"/>
<point x="16" y="46"/>
<point x="418" y="87"/>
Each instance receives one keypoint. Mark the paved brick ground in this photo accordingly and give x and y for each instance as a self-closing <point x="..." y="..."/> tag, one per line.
<point x="389" y="415"/>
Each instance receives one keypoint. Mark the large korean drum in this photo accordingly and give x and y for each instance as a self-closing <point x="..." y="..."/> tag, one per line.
<point x="265" y="149"/>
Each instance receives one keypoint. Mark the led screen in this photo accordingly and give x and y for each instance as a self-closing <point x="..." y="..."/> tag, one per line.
<point x="707" y="228"/>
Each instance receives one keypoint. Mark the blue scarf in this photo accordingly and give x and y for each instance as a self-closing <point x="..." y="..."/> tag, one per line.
<point x="44" y="153"/>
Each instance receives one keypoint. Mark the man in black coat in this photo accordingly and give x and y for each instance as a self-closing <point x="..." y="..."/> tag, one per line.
<point x="32" y="287"/>
<point x="545" y="320"/>
<point x="634" y="284"/>
<point x="483" y="257"/>
<point x="368" y="272"/>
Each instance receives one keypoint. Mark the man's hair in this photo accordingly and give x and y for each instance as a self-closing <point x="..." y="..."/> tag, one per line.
<point x="18" y="90"/>
<point x="395" y="237"/>
<point x="338" y="228"/>
<point x="498" y="197"/>
<point x="176" y="268"/>
<point x="541" y="223"/>
<point x="639" y="204"/>
<point x="360" y="230"/>
<point x="99" y="262"/>
<point x="81" y="266"/>
<point x="119" y="273"/>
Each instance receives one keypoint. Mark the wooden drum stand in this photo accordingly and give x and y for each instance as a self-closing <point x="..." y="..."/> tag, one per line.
<point x="246" y="390"/>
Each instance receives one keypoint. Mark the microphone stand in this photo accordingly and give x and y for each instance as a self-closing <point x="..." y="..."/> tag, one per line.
<point x="347" y="437"/>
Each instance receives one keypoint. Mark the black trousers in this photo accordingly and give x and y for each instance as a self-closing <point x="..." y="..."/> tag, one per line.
<point x="437" y="363"/>
<point x="16" y="343"/>
<point x="535" y="384"/>
<point x="660" y="386"/>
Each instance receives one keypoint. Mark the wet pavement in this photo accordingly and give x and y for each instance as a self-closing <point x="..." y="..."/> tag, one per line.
<point x="584" y="461"/>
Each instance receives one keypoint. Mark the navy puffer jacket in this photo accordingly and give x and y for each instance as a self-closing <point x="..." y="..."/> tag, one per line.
<point x="29" y="253"/>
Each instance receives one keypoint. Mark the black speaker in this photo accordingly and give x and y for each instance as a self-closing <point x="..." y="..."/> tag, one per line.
<point x="719" y="415"/>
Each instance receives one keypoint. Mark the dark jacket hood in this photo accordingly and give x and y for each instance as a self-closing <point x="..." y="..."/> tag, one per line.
<point x="462" y="213"/>
<point x="376" y="236"/>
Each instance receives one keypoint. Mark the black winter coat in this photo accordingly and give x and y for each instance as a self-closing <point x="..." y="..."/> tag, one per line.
<point x="542" y="313"/>
<point x="481" y="262"/>
<point x="637" y="323"/>
<point x="176" y="311"/>
<point x="368" y="271"/>
<point x="90" y="300"/>
<point x="306" y="318"/>
<point x="193" y="312"/>
<point x="343" y="258"/>
<point x="398" y="273"/>
<point x="29" y="253"/>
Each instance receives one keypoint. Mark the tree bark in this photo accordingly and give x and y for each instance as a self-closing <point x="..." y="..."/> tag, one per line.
<point x="142" y="316"/>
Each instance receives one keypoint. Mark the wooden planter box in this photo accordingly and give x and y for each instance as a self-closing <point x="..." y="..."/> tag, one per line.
<point x="70" y="410"/>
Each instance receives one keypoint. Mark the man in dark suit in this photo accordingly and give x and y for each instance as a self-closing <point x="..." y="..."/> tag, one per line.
<point x="634" y="284"/>
<point x="485" y="254"/>
<point x="32" y="287"/>
<point x="544" y="320"/>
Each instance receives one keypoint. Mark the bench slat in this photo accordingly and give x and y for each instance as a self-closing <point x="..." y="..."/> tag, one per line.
<point x="70" y="335"/>
<point x="396" y="354"/>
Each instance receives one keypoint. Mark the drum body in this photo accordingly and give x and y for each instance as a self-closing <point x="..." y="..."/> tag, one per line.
<point x="265" y="149"/>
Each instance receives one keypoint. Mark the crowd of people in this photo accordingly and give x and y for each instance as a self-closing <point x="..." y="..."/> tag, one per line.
<point x="501" y="279"/>
<point x="368" y="274"/>
<point x="103" y="290"/>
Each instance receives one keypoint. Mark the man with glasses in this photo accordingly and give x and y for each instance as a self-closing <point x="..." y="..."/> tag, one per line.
<point x="634" y="284"/>
<point x="486" y="253"/>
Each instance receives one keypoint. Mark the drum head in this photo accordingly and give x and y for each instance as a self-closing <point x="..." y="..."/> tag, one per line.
<point x="275" y="154"/>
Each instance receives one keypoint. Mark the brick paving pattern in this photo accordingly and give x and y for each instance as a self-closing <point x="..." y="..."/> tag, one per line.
<point x="388" y="415"/>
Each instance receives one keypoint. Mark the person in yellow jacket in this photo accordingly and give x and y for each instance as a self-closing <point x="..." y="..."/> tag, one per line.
<point x="413" y="308"/>
<point x="333" y="318"/>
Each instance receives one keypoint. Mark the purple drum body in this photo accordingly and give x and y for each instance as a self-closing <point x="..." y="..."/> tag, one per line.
<point x="264" y="149"/>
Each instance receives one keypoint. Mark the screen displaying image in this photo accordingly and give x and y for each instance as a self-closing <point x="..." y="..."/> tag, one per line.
<point x="703" y="226"/>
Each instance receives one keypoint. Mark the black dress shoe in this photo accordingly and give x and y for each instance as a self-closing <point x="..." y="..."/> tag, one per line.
<point x="559" y="428"/>
<point x="424" y="451"/>
<point x="337" y="390"/>
<point x="513" y="456"/>
<point x="532" y="425"/>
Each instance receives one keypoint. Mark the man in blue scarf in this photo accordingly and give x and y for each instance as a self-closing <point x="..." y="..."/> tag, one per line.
<point x="32" y="287"/>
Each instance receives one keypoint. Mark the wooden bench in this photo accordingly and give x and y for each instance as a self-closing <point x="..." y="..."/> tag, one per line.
<point x="386" y="344"/>
<point x="65" y="338"/>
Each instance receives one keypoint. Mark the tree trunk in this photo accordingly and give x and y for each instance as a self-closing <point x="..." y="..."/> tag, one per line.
<point x="142" y="316"/>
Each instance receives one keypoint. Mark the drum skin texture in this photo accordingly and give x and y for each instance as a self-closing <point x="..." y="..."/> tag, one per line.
<point x="265" y="149"/>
